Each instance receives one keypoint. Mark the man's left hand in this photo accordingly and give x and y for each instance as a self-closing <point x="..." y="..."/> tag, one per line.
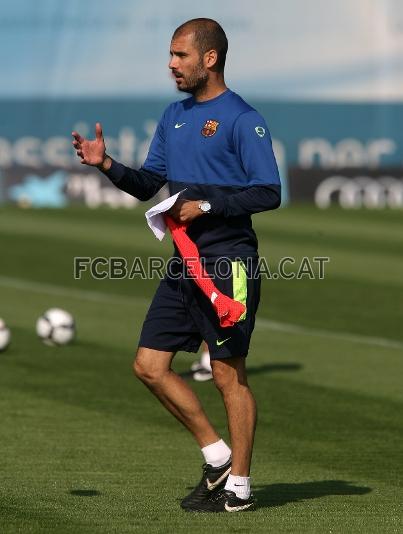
<point x="185" y="211"/>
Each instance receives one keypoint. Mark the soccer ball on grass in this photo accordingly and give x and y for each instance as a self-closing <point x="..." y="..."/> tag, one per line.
<point x="56" y="327"/>
<point x="4" y="335"/>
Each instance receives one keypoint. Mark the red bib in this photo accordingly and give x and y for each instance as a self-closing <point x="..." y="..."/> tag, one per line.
<point x="228" y="310"/>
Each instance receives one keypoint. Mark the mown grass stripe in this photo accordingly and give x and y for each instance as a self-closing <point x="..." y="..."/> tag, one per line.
<point x="261" y="323"/>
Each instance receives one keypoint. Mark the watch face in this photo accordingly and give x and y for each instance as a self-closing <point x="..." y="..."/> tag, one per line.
<point x="205" y="206"/>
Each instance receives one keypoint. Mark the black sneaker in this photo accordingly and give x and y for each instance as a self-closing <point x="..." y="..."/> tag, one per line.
<point x="213" y="479"/>
<point x="224" y="501"/>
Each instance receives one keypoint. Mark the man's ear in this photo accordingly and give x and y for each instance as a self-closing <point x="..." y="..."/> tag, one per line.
<point x="210" y="58"/>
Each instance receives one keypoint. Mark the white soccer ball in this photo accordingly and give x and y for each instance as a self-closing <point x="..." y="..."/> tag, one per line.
<point x="5" y="335"/>
<point x="56" y="327"/>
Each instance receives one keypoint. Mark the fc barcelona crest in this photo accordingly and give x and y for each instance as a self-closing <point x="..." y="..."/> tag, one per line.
<point x="210" y="128"/>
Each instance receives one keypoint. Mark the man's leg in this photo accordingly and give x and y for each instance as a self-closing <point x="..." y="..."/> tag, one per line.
<point x="153" y="368"/>
<point x="230" y="378"/>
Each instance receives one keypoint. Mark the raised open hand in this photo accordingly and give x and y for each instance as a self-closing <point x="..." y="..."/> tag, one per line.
<point x="91" y="152"/>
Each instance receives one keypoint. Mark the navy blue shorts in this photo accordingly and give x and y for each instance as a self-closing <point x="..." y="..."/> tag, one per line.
<point x="180" y="316"/>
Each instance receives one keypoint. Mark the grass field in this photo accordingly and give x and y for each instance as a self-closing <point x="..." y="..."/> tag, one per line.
<point x="85" y="448"/>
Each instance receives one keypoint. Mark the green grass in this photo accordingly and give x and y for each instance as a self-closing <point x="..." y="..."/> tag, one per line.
<point x="84" y="447"/>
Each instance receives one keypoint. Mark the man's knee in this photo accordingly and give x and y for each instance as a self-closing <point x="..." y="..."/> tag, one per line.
<point x="150" y="365"/>
<point x="139" y="369"/>
<point x="229" y="374"/>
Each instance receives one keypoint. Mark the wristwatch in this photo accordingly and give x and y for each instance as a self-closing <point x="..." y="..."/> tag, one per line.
<point x="205" y="206"/>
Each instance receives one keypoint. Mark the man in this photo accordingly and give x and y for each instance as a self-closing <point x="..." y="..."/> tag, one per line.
<point x="219" y="148"/>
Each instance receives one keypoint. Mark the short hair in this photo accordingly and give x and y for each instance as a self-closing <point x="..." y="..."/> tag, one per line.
<point x="208" y="35"/>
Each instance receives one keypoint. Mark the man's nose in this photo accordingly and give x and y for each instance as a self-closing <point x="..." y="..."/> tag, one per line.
<point x="173" y="63"/>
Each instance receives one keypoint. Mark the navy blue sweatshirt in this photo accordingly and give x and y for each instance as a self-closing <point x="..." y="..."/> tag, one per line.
<point x="219" y="150"/>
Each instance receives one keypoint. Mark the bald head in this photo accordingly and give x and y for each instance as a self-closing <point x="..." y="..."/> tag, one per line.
<point x="207" y="35"/>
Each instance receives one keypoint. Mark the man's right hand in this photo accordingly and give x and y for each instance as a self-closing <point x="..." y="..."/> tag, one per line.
<point x="92" y="152"/>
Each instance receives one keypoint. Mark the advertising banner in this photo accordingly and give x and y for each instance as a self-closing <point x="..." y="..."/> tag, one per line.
<point x="327" y="77"/>
<point x="350" y="188"/>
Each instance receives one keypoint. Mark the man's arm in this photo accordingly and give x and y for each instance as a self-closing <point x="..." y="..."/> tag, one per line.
<point x="142" y="184"/>
<point x="145" y="182"/>
<point x="252" y="200"/>
<point x="252" y="143"/>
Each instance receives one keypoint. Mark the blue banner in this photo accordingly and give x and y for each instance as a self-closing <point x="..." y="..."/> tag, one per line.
<point x="328" y="80"/>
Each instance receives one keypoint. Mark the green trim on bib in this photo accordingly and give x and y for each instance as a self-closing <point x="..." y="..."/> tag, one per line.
<point x="239" y="285"/>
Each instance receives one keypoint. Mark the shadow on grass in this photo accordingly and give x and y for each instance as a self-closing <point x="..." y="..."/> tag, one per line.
<point x="274" y="368"/>
<point x="267" y="368"/>
<point x="281" y="494"/>
<point x="85" y="492"/>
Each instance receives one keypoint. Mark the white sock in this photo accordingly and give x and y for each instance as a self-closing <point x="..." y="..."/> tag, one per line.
<point x="216" y="454"/>
<point x="205" y="360"/>
<point x="239" y="485"/>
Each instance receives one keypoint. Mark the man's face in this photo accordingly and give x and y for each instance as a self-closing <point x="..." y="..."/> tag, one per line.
<point x="187" y="65"/>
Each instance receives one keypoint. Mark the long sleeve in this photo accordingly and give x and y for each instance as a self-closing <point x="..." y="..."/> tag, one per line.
<point x="142" y="184"/>
<point x="252" y="200"/>
<point x="252" y="144"/>
<point x="148" y="180"/>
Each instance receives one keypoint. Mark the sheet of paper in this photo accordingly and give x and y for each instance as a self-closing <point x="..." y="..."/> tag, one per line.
<point x="155" y="218"/>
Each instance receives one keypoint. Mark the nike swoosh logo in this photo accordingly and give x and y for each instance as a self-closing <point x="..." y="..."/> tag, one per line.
<point x="179" y="125"/>
<point x="237" y="508"/>
<point x="218" y="343"/>
<point x="213" y="485"/>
